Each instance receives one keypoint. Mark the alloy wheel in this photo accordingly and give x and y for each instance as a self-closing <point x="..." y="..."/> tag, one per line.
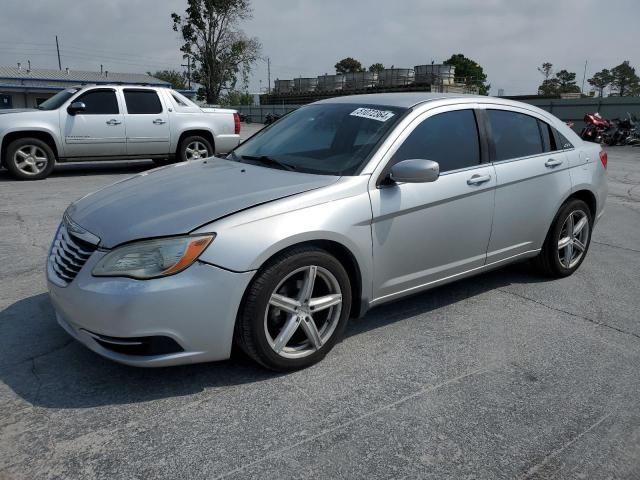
<point x="573" y="240"/>
<point x="303" y="312"/>
<point x="30" y="159"/>
<point x="196" y="150"/>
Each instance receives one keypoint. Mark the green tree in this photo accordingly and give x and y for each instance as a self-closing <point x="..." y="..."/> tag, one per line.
<point x="175" y="78"/>
<point x="471" y="71"/>
<point x="220" y="50"/>
<point x="349" y="65"/>
<point x="601" y="80"/>
<point x="376" y="67"/>
<point x="567" y="82"/>
<point x="624" y="79"/>
<point x="546" y="70"/>
<point x="235" y="97"/>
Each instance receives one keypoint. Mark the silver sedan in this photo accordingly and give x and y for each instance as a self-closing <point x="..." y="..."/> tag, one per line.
<point x="337" y="207"/>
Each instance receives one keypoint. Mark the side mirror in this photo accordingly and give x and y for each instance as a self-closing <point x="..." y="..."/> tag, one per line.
<point x="76" y="107"/>
<point x="415" y="171"/>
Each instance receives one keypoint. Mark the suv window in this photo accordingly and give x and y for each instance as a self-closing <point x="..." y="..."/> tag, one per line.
<point x="514" y="134"/>
<point x="99" y="102"/>
<point x="142" y="101"/>
<point x="449" y="138"/>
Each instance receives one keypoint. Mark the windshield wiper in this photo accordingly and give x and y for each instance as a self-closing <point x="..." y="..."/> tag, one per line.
<point x="269" y="161"/>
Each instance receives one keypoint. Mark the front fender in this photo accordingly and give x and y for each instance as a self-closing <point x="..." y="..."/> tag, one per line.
<point x="246" y="240"/>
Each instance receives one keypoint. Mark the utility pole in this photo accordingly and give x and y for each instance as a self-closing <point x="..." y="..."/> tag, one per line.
<point x="268" y="75"/>
<point x="188" y="65"/>
<point x="58" y="49"/>
<point x="584" y="75"/>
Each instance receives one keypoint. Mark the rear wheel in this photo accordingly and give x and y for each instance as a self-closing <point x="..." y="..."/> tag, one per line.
<point x="568" y="240"/>
<point x="295" y="310"/>
<point x="194" y="148"/>
<point x="29" y="159"/>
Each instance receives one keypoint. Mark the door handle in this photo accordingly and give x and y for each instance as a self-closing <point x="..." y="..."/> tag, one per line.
<point x="478" y="179"/>
<point x="113" y="121"/>
<point x="159" y="121"/>
<point x="552" y="162"/>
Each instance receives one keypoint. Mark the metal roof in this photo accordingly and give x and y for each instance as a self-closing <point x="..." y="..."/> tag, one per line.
<point x="76" y="76"/>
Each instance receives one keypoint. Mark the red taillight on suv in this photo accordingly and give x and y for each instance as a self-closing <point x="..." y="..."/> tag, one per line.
<point x="604" y="158"/>
<point x="236" y="121"/>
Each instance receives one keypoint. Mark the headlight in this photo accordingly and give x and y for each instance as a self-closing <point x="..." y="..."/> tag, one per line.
<point x="153" y="258"/>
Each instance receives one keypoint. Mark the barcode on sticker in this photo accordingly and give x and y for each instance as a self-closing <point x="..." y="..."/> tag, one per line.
<point x="372" y="114"/>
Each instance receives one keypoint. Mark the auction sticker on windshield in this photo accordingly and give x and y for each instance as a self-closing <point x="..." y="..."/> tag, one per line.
<point x="372" y="114"/>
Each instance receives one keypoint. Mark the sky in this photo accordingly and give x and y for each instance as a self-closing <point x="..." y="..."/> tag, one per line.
<point x="509" y="38"/>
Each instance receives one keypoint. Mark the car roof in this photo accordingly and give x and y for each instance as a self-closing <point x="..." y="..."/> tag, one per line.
<point x="411" y="99"/>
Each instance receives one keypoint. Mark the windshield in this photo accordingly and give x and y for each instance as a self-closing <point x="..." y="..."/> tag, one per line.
<point x="58" y="99"/>
<point x="327" y="138"/>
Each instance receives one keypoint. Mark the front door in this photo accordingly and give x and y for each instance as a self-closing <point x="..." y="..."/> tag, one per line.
<point x="99" y="130"/>
<point x="427" y="232"/>
<point x="147" y="122"/>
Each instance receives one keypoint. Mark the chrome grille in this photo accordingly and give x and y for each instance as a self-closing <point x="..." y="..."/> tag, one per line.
<point x="68" y="255"/>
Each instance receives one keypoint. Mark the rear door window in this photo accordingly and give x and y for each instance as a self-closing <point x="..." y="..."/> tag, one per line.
<point x="449" y="138"/>
<point x="514" y="134"/>
<point x="142" y="102"/>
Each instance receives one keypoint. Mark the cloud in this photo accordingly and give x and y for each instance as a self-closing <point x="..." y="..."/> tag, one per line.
<point x="509" y="38"/>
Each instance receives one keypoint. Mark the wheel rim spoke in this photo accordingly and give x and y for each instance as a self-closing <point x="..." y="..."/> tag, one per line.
<point x="322" y="303"/>
<point x="579" y="226"/>
<point x="287" y="304"/>
<point x="563" y="242"/>
<point x="311" y="331"/>
<point x="22" y="154"/>
<point x="309" y="282"/>
<point x="579" y="245"/>
<point x="286" y="333"/>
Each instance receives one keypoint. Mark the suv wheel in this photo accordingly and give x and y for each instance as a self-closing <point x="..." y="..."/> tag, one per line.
<point x="295" y="310"/>
<point x="194" y="148"/>
<point x="568" y="240"/>
<point x="29" y="159"/>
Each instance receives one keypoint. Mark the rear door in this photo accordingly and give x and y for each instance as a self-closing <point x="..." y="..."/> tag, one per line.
<point x="426" y="232"/>
<point x="532" y="175"/>
<point x="98" y="131"/>
<point x="147" y="122"/>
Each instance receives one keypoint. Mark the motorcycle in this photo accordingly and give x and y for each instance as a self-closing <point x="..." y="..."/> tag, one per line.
<point x="271" y="117"/>
<point x="623" y="132"/>
<point x="595" y="127"/>
<point x="244" y="118"/>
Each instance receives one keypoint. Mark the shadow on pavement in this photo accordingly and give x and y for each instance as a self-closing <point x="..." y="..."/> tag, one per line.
<point x="81" y="169"/>
<point x="47" y="368"/>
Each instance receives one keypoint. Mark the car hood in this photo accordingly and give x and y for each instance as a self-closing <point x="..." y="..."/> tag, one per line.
<point x="180" y="198"/>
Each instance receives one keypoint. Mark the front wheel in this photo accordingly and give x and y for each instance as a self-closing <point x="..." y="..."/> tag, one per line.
<point x="295" y="310"/>
<point x="29" y="159"/>
<point x="194" y="148"/>
<point x="568" y="240"/>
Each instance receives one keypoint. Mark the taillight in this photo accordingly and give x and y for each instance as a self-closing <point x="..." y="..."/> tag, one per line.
<point x="604" y="158"/>
<point x="236" y="121"/>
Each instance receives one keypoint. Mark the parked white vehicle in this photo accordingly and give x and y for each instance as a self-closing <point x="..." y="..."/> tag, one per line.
<point x="112" y="122"/>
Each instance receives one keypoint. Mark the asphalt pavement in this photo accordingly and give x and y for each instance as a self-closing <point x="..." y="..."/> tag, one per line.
<point x="506" y="375"/>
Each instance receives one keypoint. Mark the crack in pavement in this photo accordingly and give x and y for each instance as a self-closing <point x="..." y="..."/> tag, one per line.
<point x="348" y="423"/>
<point x="582" y="317"/>
<point x="40" y="355"/>
<point x="616" y="246"/>
<point x="533" y="470"/>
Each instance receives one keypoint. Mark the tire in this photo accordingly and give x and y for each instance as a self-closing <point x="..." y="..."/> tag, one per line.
<point x="262" y="328"/>
<point x="557" y="261"/>
<point x="194" y="147"/>
<point x="29" y="159"/>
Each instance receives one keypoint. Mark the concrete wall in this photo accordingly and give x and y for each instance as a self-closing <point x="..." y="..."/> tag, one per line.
<point x="569" y="110"/>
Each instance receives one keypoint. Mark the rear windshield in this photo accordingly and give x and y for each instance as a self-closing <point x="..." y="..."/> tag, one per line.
<point x="326" y="138"/>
